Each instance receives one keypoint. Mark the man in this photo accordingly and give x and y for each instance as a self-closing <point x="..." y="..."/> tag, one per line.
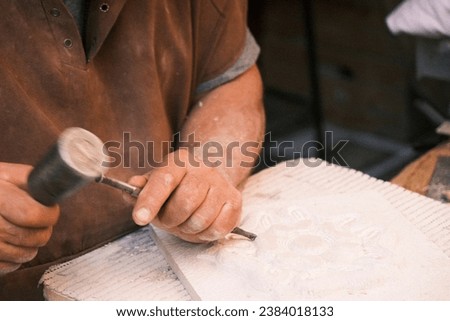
<point x="134" y="73"/>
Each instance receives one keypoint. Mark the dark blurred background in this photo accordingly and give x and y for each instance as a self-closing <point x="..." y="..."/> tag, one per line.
<point x="332" y="65"/>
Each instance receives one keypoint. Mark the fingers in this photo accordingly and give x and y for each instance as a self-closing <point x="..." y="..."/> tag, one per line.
<point x="195" y="203"/>
<point x="191" y="192"/>
<point x="16" y="174"/>
<point x="19" y="245"/>
<point x="17" y="254"/>
<point x="13" y="256"/>
<point x="26" y="237"/>
<point x="199" y="221"/>
<point x="217" y="216"/>
<point x="18" y="208"/>
<point x="138" y="181"/>
<point x="25" y="224"/>
<point x="227" y="219"/>
<point x="6" y="267"/>
<point x="161" y="182"/>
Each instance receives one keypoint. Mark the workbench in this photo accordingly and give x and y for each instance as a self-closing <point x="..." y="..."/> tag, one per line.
<point x="417" y="175"/>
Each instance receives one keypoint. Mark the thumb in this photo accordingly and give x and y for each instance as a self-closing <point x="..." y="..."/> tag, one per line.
<point x="16" y="174"/>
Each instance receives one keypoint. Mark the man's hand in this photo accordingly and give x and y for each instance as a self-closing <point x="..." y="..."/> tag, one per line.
<point x="25" y="224"/>
<point x="195" y="202"/>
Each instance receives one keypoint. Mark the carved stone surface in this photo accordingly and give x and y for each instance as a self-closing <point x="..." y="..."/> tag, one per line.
<point x="352" y="245"/>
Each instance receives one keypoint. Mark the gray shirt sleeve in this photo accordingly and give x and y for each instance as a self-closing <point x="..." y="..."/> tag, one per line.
<point x="246" y="60"/>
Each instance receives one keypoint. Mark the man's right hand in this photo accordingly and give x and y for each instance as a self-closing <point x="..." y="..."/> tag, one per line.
<point x="25" y="224"/>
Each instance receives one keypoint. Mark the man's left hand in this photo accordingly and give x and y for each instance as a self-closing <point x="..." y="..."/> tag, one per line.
<point x="187" y="198"/>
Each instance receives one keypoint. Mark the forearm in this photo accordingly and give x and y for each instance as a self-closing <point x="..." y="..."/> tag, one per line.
<point x="226" y="126"/>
